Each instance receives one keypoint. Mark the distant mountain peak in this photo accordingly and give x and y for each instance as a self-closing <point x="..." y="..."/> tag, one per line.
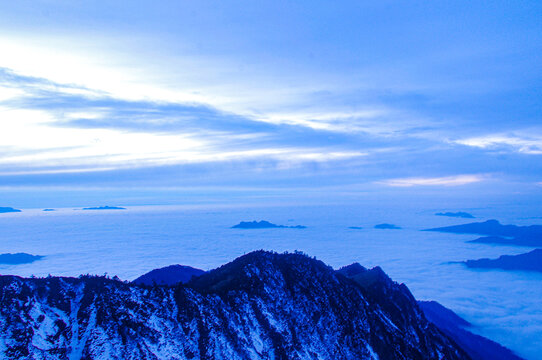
<point x="105" y="208"/>
<point x="169" y="275"/>
<point x="263" y="224"/>
<point x="458" y="214"/>
<point x="352" y="270"/>
<point x="386" y="226"/>
<point x="19" y="258"/>
<point x="8" y="210"/>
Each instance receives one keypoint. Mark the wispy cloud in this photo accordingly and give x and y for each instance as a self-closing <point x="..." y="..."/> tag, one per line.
<point x="455" y="180"/>
<point x="524" y="144"/>
<point x="86" y="160"/>
<point x="50" y="128"/>
<point x="374" y="120"/>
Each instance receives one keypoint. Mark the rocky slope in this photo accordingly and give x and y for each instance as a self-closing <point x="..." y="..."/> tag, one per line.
<point x="478" y="347"/>
<point x="260" y="306"/>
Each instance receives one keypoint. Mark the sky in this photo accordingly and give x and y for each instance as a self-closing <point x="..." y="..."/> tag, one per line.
<point x="140" y="102"/>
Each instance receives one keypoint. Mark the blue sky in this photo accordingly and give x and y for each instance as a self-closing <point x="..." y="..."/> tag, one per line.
<point x="156" y="102"/>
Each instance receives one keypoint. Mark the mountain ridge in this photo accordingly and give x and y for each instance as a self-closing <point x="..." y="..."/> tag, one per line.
<point x="259" y="306"/>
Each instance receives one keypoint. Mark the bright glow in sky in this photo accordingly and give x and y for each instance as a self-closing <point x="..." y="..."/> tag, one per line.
<point x="303" y="94"/>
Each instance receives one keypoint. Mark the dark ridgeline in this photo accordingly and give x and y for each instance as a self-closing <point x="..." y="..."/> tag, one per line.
<point x="387" y="227"/>
<point x="169" y="275"/>
<point x="531" y="261"/>
<point x="478" y="347"/>
<point x="496" y="233"/>
<point x="499" y="234"/>
<point x="8" y="210"/>
<point x="459" y="214"/>
<point x="263" y="224"/>
<point x="262" y="305"/>
<point x="105" y="208"/>
<point x="519" y="241"/>
<point x="19" y="258"/>
<point x="378" y="285"/>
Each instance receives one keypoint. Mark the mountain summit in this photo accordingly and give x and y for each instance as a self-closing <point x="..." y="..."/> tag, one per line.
<point x="262" y="305"/>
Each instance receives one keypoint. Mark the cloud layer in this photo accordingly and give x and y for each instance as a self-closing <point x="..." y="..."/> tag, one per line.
<point x="270" y="96"/>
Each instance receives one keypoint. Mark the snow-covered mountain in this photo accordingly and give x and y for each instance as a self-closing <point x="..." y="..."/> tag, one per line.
<point x="260" y="306"/>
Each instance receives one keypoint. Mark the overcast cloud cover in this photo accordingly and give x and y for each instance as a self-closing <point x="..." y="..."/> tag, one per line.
<point x="268" y="97"/>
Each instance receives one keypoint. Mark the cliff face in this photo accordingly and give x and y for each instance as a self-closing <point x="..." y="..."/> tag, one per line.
<point x="260" y="306"/>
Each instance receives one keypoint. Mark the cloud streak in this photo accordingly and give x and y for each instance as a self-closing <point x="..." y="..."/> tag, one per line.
<point x="456" y="180"/>
<point x="51" y="128"/>
<point x="531" y="145"/>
